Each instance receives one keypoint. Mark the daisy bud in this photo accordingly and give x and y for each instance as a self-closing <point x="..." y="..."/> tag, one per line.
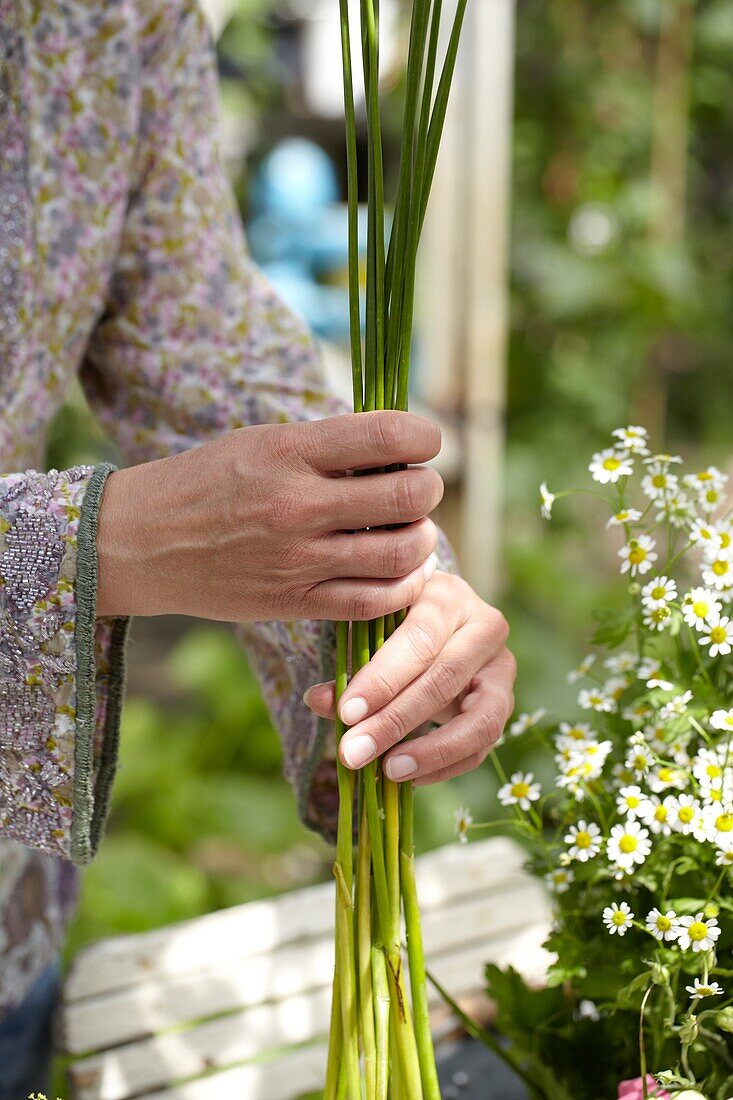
<point x="724" y="1019"/>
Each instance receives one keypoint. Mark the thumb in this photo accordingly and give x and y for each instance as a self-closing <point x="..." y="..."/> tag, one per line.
<point x="321" y="699"/>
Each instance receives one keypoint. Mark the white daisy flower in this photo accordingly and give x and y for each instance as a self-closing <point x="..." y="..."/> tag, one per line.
<point x="520" y="791"/>
<point x="657" y="617"/>
<point x="573" y="736"/>
<point x="698" y="933"/>
<point x="705" y="478"/>
<point x="656" y="814"/>
<point x="632" y="439"/>
<point x="718" y="574"/>
<point x="584" y="841"/>
<point x="722" y="720"/>
<point x="719" y="636"/>
<point x="582" y="670"/>
<point x="560" y="880"/>
<point x="638" y="555"/>
<point x="626" y="515"/>
<point x="650" y="670"/>
<point x="639" y="758"/>
<point x="718" y="824"/>
<point x="711" y="498"/>
<point x="637" y="711"/>
<point x="658" y="482"/>
<point x="699" y="989"/>
<point x="724" y="534"/>
<point x="625" y="661"/>
<point x="699" y="605"/>
<point x="703" y="532"/>
<point x="675" y="708"/>
<point x="547" y="499"/>
<point x="596" y="699"/>
<point x="660" y="591"/>
<point x="628" y="844"/>
<point x="526" y="721"/>
<point x="685" y="811"/>
<point x="663" y="926"/>
<point x="608" y="466"/>
<point x="724" y="857"/>
<point x="629" y="800"/>
<point x="617" y="918"/>
<point x="464" y="820"/>
<point x="663" y="460"/>
<point x="665" y="777"/>
<point x="677" y="508"/>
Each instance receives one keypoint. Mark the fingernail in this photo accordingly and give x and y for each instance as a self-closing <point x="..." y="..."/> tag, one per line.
<point x="353" y="710"/>
<point x="430" y="566"/>
<point x="308" y="693"/>
<point x="399" y="767"/>
<point x="358" y="751"/>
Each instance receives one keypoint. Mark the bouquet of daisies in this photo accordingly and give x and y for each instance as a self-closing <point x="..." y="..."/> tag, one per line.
<point x="635" y="839"/>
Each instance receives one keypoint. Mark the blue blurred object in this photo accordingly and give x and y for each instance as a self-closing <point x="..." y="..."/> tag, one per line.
<point x="298" y="234"/>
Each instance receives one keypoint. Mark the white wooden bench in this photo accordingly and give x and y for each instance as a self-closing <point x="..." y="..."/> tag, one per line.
<point x="236" y="1003"/>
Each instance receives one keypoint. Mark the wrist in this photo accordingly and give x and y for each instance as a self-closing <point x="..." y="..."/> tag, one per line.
<point x="122" y="569"/>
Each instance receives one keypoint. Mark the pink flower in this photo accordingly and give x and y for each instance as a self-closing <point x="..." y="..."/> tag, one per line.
<point x="632" y="1090"/>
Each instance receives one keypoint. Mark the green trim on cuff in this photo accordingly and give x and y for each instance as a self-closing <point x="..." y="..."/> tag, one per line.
<point x="91" y="805"/>
<point x="328" y="672"/>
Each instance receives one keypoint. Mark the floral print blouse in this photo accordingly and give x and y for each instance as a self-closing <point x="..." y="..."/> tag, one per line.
<point x="122" y="262"/>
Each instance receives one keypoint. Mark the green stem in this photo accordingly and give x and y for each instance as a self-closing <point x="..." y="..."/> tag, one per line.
<point x="333" y="1067"/>
<point x="353" y="206"/>
<point x="364" y="934"/>
<point x="415" y="952"/>
<point x="344" y="874"/>
<point x="380" y="985"/>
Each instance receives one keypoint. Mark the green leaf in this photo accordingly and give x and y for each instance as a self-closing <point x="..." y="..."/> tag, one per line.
<point x="614" y="628"/>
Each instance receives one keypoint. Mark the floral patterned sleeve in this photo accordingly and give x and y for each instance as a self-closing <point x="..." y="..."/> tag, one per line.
<point x="194" y="342"/>
<point x="60" y="690"/>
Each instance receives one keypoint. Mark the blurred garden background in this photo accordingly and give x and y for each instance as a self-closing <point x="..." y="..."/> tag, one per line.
<point x="620" y="277"/>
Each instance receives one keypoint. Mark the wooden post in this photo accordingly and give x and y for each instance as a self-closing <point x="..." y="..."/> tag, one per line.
<point x="463" y="324"/>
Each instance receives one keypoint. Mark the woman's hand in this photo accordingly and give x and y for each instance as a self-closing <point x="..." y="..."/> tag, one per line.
<point x="255" y="525"/>
<point x="447" y="663"/>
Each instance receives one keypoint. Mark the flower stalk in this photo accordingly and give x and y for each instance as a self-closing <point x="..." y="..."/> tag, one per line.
<point x="380" y="1042"/>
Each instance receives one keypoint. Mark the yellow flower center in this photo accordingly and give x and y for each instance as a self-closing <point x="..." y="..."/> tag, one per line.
<point x="711" y="496"/>
<point x="686" y="814"/>
<point x="582" y="839"/>
<point x="611" y="463"/>
<point x="658" y="593"/>
<point x="663" y="923"/>
<point x="632" y="801"/>
<point x="705" y="475"/>
<point x="724" y="823"/>
<point x="718" y="634"/>
<point x="666" y="774"/>
<point x="701" y="609"/>
<point x="725" y="540"/>
<point x="715" y="795"/>
<point x="660" y="814"/>
<point x="698" y="931"/>
<point x="659" y="614"/>
<point x="720" y="568"/>
<point x="637" y="555"/>
<point x="619" y="918"/>
<point x="659" y="481"/>
<point x="520" y="790"/>
<point x="713" y="771"/>
<point x="628" y="844"/>
<point x="576" y="734"/>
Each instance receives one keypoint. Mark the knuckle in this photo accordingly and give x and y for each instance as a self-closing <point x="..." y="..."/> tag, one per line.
<point x="512" y="668"/>
<point x="446" y="681"/>
<point x="423" y="641"/>
<point x="405" y="496"/>
<point x="490" y="727"/>
<point x="399" y="557"/>
<point x="435" y="485"/>
<point x="393" y="727"/>
<point x="363" y="605"/>
<point x="384" y="433"/>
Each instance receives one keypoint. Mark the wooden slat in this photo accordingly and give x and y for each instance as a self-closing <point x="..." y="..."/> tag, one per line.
<point x="144" y="1009"/>
<point x="135" y="1069"/>
<point x="219" y="939"/>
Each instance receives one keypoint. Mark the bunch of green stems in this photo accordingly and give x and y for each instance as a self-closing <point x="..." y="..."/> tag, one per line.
<point x="380" y="1044"/>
